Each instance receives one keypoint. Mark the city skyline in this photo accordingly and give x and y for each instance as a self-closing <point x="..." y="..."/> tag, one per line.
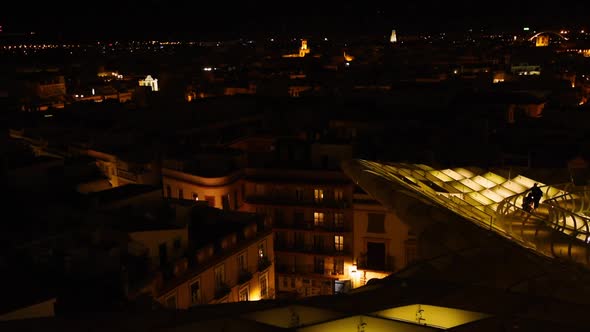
<point x="155" y="18"/>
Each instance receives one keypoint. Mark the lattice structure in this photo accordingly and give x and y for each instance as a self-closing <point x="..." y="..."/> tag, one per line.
<point x="559" y="227"/>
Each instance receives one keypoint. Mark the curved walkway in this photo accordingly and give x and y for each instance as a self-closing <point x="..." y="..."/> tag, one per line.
<point x="558" y="228"/>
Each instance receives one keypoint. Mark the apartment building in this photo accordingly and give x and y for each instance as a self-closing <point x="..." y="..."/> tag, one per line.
<point x="232" y="262"/>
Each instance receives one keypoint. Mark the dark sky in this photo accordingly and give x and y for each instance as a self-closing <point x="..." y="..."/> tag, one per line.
<point x="159" y="18"/>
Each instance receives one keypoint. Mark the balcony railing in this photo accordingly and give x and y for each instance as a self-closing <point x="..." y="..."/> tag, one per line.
<point x="221" y="290"/>
<point x="293" y="201"/>
<point x="263" y="263"/>
<point x="307" y="269"/>
<point x="312" y="249"/>
<point x="127" y="175"/>
<point x="366" y="263"/>
<point x="244" y="276"/>
<point x="310" y="225"/>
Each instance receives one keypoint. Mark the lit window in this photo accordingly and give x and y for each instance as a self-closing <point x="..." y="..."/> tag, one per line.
<point x="338" y="219"/>
<point x="318" y="218"/>
<point x="318" y="195"/>
<point x="338" y="194"/>
<point x="219" y="276"/>
<point x="244" y="292"/>
<point x="263" y="286"/>
<point x="338" y="242"/>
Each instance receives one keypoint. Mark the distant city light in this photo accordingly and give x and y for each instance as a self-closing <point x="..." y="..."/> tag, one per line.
<point x="526" y="29"/>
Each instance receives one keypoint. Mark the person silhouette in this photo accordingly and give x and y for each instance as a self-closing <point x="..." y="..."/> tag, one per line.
<point x="527" y="202"/>
<point x="536" y="194"/>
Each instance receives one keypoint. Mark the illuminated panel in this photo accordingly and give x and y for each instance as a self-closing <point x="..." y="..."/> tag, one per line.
<point x="516" y="187"/>
<point x="365" y="323"/>
<point x="525" y="181"/>
<point x="484" y="182"/>
<point x="425" y="167"/>
<point x="442" y="176"/>
<point x="480" y="198"/>
<point x="461" y="187"/>
<point x="502" y="191"/>
<point x="471" y="200"/>
<point x="552" y="191"/>
<point x="494" y="207"/>
<point x="451" y="189"/>
<point x="453" y="174"/>
<point x="405" y="172"/>
<point x="494" y="177"/>
<point x="282" y="316"/>
<point x="492" y="195"/>
<point x="465" y="172"/>
<point x="443" y="317"/>
<point x="472" y="184"/>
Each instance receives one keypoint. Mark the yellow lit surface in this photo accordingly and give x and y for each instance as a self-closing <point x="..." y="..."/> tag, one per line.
<point x="432" y="315"/>
<point x="286" y="316"/>
<point x="366" y="324"/>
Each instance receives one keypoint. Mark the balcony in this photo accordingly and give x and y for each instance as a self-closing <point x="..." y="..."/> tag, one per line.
<point x="374" y="263"/>
<point x="305" y="269"/>
<point x="244" y="276"/>
<point x="221" y="290"/>
<point x="263" y="263"/>
<point x="312" y="249"/>
<point x="309" y="225"/>
<point x="292" y="201"/>
<point x="130" y="176"/>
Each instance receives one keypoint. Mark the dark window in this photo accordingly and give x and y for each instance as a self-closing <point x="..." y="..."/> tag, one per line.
<point x="196" y="292"/>
<point x="225" y="201"/>
<point x="298" y="218"/>
<point x="163" y="253"/>
<point x="299" y="194"/>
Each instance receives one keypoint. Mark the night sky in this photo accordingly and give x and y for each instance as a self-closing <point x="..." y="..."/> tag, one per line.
<point x="170" y="18"/>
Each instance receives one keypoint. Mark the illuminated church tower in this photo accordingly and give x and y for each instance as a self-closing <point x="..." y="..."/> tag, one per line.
<point x="393" y="37"/>
<point x="303" y="50"/>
